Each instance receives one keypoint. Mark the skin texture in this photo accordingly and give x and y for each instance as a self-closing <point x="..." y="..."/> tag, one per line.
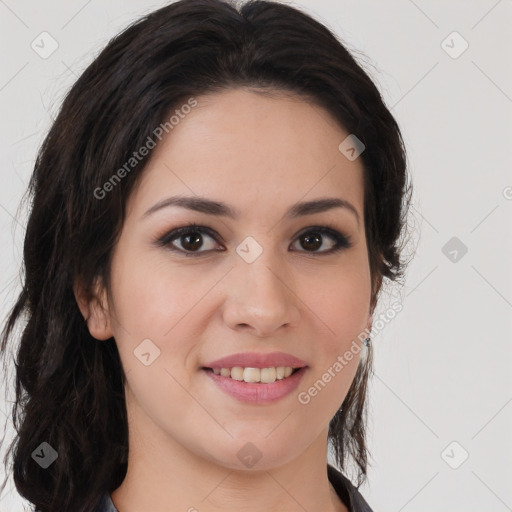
<point x="260" y="155"/>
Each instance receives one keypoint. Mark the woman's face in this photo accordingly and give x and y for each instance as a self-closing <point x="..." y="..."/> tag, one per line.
<point x="260" y="282"/>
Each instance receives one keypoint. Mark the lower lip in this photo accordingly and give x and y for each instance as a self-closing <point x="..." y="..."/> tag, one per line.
<point x="255" y="392"/>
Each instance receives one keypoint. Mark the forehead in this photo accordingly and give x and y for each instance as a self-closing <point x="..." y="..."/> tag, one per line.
<point x="251" y="150"/>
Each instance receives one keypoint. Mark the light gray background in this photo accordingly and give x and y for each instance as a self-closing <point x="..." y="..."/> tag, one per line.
<point x="442" y="365"/>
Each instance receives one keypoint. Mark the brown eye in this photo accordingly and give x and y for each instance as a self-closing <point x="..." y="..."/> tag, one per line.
<point x="312" y="242"/>
<point x="313" y="239"/>
<point x="191" y="242"/>
<point x="191" y="239"/>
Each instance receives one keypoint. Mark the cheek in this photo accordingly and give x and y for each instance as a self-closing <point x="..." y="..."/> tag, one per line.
<point x="341" y="306"/>
<point x="152" y="295"/>
<point x="341" y="302"/>
<point x="342" y="310"/>
<point x="157" y="301"/>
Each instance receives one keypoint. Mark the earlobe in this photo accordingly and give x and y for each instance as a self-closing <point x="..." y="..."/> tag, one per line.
<point x="95" y="310"/>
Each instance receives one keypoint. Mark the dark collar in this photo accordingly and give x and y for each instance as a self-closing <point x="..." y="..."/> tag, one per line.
<point x="349" y="494"/>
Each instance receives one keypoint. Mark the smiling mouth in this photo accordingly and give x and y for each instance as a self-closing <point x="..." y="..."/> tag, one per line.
<point x="255" y="375"/>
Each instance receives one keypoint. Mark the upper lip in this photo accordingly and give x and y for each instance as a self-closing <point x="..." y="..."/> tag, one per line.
<point x="257" y="360"/>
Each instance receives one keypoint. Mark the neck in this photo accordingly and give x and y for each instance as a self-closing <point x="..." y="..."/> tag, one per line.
<point x="163" y="476"/>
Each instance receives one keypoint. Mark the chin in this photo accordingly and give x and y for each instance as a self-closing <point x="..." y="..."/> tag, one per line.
<point x="257" y="455"/>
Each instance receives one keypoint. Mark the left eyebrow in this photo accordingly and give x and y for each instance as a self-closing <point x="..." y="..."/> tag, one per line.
<point x="203" y="205"/>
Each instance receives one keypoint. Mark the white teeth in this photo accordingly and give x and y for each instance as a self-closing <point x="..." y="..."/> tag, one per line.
<point x="264" y="375"/>
<point x="252" y="374"/>
<point x="267" y="375"/>
<point x="237" y="373"/>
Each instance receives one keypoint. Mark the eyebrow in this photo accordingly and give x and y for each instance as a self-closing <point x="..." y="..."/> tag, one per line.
<point x="203" y="205"/>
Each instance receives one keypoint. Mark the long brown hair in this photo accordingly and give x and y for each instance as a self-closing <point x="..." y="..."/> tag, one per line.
<point x="69" y="387"/>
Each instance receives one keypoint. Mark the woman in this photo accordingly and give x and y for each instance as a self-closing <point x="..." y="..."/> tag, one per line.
<point x="215" y="209"/>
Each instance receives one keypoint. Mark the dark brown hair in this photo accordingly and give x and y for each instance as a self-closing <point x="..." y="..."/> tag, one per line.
<point x="69" y="387"/>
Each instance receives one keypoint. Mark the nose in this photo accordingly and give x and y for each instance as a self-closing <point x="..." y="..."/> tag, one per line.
<point x="261" y="298"/>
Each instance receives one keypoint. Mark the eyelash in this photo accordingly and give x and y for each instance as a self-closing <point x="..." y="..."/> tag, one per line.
<point x="342" y="241"/>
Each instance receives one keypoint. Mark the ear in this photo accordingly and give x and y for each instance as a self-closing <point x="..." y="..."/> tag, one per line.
<point x="94" y="309"/>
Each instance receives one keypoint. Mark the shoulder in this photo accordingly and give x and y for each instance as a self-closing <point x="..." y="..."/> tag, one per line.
<point x="347" y="492"/>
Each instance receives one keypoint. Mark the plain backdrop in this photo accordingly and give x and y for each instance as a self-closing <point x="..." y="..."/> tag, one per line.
<point x="441" y="397"/>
